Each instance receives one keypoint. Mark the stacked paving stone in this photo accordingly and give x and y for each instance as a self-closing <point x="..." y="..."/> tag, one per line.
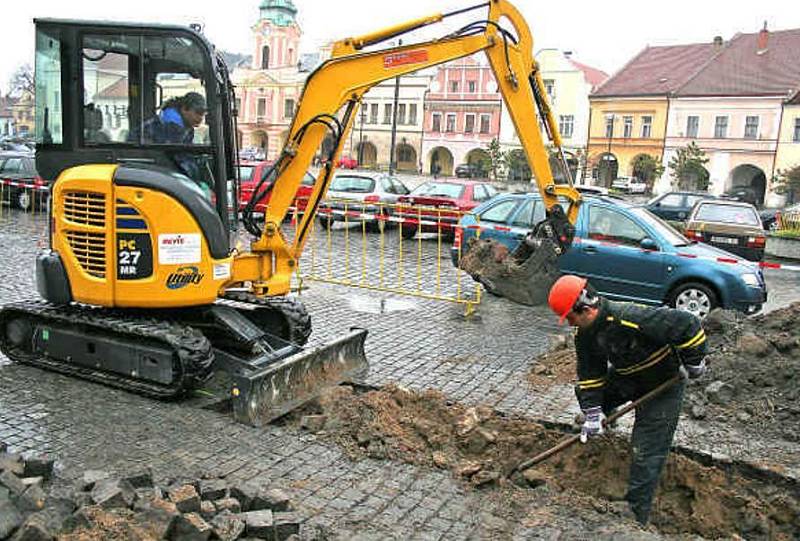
<point x="184" y="511"/>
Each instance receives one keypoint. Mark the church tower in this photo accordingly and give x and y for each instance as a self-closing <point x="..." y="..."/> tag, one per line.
<point x="277" y="36"/>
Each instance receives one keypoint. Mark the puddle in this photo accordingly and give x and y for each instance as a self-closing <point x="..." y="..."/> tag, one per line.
<point x="376" y="305"/>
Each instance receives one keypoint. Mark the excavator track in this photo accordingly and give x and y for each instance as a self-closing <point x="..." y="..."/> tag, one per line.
<point x="192" y="354"/>
<point x="284" y="316"/>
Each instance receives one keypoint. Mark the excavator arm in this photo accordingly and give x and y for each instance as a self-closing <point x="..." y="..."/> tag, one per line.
<point x="340" y="83"/>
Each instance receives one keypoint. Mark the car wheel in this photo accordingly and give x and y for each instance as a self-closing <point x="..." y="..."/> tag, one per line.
<point x="23" y="200"/>
<point x="408" y="232"/>
<point x="773" y="225"/>
<point x="695" y="298"/>
<point x="378" y="226"/>
<point x="325" y="222"/>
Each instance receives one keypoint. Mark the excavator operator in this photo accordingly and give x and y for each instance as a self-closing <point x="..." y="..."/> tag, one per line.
<point x="625" y="350"/>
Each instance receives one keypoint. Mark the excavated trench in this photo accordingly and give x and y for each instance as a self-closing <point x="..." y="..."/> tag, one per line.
<point x="481" y="447"/>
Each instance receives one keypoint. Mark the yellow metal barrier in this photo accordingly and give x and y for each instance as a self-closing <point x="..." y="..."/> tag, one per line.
<point x="390" y="247"/>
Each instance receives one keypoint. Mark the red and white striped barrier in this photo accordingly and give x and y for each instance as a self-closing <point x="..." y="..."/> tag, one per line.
<point x="26" y="185"/>
<point x="367" y="216"/>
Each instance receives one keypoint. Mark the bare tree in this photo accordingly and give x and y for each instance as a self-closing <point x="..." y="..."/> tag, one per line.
<point x="22" y="81"/>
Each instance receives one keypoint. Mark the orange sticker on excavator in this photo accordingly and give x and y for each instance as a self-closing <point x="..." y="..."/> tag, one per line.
<point x="407" y="57"/>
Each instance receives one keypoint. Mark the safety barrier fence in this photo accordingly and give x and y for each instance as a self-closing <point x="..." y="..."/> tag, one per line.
<point x="789" y="221"/>
<point x="28" y="196"/>
<point x="390" y="247"/>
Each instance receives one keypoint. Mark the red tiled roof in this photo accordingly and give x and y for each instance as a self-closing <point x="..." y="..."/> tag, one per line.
<point x="593" y="76"/>
<point x="118" y="89"/>
<point x="657" y="71"/>
<point x="741" y="70"/>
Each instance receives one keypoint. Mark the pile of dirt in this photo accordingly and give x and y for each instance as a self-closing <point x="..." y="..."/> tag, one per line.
<point x="753" y="382"/>
<point x="482" y="446"/>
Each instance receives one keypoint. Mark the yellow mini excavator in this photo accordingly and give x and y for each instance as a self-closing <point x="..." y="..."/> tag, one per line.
<point x="144" y="288"/>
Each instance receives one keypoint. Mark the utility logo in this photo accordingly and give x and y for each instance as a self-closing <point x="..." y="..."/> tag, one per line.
<point x="407" y="57"/>
<point x="183" y="277"/>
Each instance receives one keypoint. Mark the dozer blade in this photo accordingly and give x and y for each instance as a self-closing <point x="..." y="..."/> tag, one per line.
<point x="524" y="276"/>
<point x="263" y="393"/>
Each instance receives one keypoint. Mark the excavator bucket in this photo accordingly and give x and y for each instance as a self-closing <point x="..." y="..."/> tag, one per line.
<point x="262" y="392"/>
<point x="524" y="275"/>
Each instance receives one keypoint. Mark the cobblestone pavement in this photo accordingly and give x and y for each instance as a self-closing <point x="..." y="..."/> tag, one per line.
<point x="415" y="342"/>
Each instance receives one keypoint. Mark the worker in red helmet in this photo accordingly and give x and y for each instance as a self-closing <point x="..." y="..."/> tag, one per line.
<point x="625" y="350"/>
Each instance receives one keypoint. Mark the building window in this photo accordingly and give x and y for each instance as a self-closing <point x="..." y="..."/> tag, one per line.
<point x="469" y="124"/>
<point x="401" y="113"/>
<point x="472" y="85"/>
<point x="647" y="126"/>
<point x="261" y="111"/>
<point x="387" y="113"/>
<point x="453" y="86"/>
<point x="436" y="122"/>
<point x="264" y="57"/>
<point x="721" y="127"/>
<point x="485" y="121"/>
<point x="796" y="136"/>
<point x="238" y="106"/>
<point x="627" y="126"/>
<point x="451" y="123"/>
<point x="288" y="108"/>
<point x="373" y="113"/>
<point x="550" y="88"/>
<point x="609" y="127"/>
<point x="751" y="127"/>
<point x="692" y="126"/>
<point x="412" y="113"/>
<point x="565" y="125"/>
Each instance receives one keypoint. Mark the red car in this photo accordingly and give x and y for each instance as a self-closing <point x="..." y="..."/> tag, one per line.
<point x="346" y="162"/>
<point x="439" y="204"/>
<point x="251" y="173"/>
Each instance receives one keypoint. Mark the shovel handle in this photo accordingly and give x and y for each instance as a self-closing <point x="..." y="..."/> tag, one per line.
<point x="522" y="466"/>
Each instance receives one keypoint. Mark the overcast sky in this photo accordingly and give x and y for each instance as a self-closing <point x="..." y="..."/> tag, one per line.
<point x="602" y="34"/>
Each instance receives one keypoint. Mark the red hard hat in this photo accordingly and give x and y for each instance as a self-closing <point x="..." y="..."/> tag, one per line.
<point x="564" y="294"/>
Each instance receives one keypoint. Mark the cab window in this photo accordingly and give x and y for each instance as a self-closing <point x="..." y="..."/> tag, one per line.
<point x="609" y="225"/>
<point x="142" y="90"/>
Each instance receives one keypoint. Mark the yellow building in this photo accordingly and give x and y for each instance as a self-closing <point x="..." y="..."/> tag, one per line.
<point x="628" y="113"/>
<point x="23" y="112"/>
<point x="788" y="151"/>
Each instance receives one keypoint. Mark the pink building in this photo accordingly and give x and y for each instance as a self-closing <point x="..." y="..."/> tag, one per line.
<point x="269" y="89"/>
<point x="461" y="116"/>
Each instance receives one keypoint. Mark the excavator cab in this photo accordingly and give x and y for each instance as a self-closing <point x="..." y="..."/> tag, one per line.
<point x="106" y="93"/>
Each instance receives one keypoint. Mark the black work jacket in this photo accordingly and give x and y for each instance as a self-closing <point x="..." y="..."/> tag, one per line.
<point x="638" y="347"/>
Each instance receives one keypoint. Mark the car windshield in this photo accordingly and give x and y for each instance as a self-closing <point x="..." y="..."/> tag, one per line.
<point x="440" y="189"/>
<point x="666" y="231"/>
<point x="728" y="214"/>
<point x="347" y="183"/>
<point x="246" y="172"/>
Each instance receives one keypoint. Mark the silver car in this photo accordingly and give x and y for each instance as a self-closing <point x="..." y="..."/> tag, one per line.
<point x="361" y="197"/>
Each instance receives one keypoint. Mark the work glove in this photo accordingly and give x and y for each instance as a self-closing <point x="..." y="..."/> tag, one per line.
<point x="593" y="423"/>
<point x="693" y="371"/>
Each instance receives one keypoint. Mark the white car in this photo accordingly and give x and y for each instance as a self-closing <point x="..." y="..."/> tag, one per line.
<point x="629" y="185"/>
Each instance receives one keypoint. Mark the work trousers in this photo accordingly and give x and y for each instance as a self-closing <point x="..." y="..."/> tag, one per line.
<point x="653" y="431"/>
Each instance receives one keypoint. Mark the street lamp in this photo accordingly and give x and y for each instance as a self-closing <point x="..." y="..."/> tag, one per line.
<point x="607" y="157"/>
<point x="361" y="138"/>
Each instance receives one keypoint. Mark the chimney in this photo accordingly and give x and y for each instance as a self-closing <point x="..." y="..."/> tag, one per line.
<point x="718" y="43"/>
<point x="763" y="37"/>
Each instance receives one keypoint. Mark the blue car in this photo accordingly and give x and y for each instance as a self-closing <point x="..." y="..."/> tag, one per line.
<point x="628" y="254"/>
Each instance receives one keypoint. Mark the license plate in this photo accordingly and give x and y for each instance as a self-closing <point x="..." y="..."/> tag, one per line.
<point x="725" y="240"/>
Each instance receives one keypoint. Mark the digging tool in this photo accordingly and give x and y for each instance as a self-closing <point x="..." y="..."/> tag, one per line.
<point x="522" y="466"/>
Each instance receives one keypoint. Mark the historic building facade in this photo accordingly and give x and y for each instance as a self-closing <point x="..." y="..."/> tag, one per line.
<point x="462" y="116"/>
<point x="269" y="89"/>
